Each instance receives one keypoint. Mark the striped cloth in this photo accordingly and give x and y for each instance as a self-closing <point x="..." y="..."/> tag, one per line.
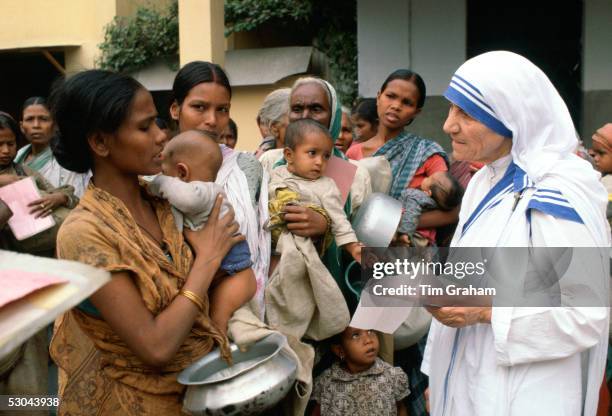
<point x="406" y="153"/>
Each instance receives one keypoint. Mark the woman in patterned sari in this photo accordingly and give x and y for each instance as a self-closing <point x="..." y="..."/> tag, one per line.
<point x="412" y="159"/>
<point x="119" y="353"/>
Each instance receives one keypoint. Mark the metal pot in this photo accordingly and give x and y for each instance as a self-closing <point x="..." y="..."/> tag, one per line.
<point x="377" y="219"/>
<point x="259" y="379"/>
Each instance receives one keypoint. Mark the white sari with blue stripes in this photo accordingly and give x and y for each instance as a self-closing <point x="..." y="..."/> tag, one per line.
<point x="536" y="360"/>
<point x="529" y="361"/>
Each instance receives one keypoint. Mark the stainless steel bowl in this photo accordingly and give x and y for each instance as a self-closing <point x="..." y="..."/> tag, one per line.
<point x="377" y="219"/>
<point x="259" y="379"/>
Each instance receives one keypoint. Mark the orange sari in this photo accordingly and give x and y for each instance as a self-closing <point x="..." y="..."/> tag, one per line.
<point x="99" y="374"/>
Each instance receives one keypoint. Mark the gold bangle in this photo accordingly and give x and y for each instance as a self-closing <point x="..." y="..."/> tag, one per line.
<point x="195" y="298"/>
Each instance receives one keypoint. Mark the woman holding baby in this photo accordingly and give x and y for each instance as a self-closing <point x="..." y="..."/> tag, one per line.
<point x="109" y="364"/>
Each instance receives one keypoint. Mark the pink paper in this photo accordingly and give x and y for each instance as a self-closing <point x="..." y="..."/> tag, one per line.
<point x="17" y="196"/>
<point x="16" y="284"/>
<point x="343" y="173"/>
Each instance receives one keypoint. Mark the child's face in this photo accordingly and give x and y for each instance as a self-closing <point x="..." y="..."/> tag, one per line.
<point x="8" y="147"/>
<point x="359" y="347"/>
<point x="362" y="129"/>
<point x="437" y="178"/>
<point x="310" y="157"/>
<point x="345" y="138"/>
<point x="602" y="157"/>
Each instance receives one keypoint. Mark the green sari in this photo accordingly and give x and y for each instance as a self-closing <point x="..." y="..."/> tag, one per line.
<point x="38" y="162"/>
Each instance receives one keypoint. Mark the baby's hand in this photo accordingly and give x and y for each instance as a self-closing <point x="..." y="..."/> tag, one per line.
<point x="400" y="239"/>
<point x="355" y="250"/>
<point x="155" y="186"/>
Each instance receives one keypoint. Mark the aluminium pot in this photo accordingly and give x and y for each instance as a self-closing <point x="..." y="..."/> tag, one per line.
<point x="260" y="378"/>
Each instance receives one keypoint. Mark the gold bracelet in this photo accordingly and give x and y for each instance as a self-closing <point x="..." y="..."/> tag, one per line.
<point x="195" y="298"/>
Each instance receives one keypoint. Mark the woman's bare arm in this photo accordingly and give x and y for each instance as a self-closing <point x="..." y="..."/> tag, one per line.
<point x="156" y="339"/>
<point x="438" y="218"/>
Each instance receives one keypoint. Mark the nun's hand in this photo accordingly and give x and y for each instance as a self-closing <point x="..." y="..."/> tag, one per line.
<point x="304" y="222"/>
<point x="461" y="316"/>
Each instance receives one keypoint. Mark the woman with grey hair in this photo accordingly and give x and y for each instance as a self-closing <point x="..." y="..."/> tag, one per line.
<point x="272" y="117"/>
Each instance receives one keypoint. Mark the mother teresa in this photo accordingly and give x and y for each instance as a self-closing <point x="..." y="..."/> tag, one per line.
<point x="503" y="361"/>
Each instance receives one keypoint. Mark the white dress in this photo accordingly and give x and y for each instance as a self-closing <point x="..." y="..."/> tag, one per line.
<point x="528" y="361"/>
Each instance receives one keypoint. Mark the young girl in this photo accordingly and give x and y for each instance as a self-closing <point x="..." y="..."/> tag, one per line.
<point x="364" y="118"/>
<point x="360" y="383"/>
<point x="345" y="138"/>
<point x="53" y="201"/>
<point x="602" y="155"/>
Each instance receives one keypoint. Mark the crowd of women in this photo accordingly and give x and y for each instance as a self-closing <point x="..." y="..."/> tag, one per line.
<point x="93" y="146"/>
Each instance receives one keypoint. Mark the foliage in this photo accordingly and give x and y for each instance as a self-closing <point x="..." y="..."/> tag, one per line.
<point x="331" y="27"/>
<point x="135" y="42"/>
<point x="245" y="15"/>
<point x="336" y="36"/>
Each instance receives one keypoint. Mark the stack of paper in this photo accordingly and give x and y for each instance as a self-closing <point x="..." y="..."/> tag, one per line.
<point x="17" y="196"/>
<point x="35" y="295"/>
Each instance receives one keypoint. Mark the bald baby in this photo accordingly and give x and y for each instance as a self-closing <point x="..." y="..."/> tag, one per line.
<point x="190" y="163"/>
<point x="192" y="156"/>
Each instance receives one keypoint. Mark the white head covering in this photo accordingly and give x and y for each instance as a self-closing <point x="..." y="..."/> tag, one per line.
<point x="514" y="98"/>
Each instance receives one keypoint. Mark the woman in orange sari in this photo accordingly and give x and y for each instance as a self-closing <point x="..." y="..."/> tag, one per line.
<point x="120" y="351"/>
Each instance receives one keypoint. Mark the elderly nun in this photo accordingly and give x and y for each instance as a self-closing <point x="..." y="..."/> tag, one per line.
<point x="533" y="192"/>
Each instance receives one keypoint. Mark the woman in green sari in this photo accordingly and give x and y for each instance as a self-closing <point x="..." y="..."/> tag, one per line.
<point x="38" y="127"/>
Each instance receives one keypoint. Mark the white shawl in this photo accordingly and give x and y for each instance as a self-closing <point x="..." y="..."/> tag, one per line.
<point x="487" y="369"/>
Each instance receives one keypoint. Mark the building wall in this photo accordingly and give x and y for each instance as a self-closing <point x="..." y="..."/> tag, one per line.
<point x="428" y="37"/>
<point x="129" y="7"/>
<point x="246" y="102"/>
<point x="77" y="26"/>
<point x="597" y="66"/>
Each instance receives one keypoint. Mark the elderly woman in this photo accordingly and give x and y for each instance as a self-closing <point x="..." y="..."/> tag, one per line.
<point x="533" y="191"/>
<point x="316" y="99"/>
<point x="273" y="117"/>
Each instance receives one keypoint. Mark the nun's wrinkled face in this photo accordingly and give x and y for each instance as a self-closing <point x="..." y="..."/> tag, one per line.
<point x="473" y="141"/>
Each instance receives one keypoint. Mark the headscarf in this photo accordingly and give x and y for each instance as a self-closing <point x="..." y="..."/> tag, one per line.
<point x="332" y="256"/>
<point x="603" y="136"/>
<point x="335" y="121"/>
<point x="514" y="98"/>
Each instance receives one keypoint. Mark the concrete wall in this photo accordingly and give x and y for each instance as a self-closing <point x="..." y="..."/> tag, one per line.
<point x="129" y="7"/>
<point x="426" y="36"/>
<point x="201" y="26"/>
<point x="246" y="102"/>
<point x="75" y="24"/>
<point x="596" y="66"/>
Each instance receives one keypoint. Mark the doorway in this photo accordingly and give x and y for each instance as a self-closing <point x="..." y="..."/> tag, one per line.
<point x="548" y="33"/>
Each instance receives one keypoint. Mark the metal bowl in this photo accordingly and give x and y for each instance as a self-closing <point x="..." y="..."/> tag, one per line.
<point x="259" y="379"/>
<point x="377" y="219"/>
